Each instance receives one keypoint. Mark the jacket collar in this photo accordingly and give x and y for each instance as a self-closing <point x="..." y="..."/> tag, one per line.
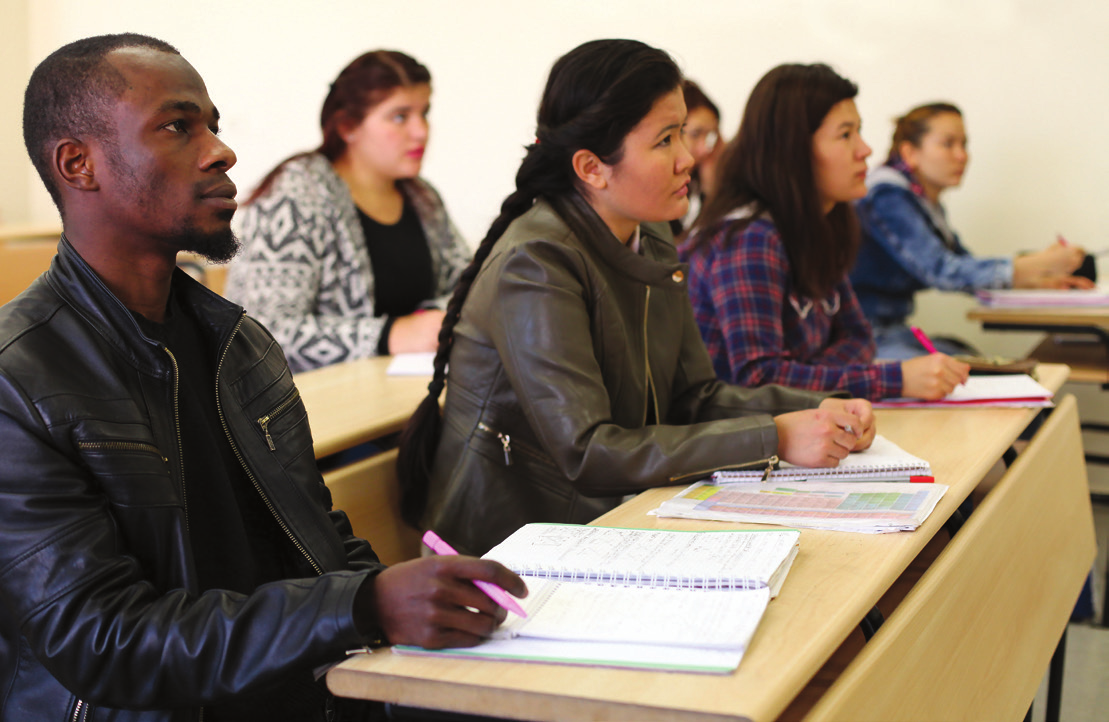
<point x="79" y="286"/>
<point x="655" y="265"/>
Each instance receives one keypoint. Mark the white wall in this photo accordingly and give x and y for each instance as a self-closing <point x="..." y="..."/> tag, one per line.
<point x="1032" y="78"/>
<point x="14" y="69"/>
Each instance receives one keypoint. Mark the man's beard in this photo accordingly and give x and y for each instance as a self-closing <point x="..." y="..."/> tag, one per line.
<point x="216" y="246"/>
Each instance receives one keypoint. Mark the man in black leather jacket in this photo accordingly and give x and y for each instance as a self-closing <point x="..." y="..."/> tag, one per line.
<point x="166" y="552"/>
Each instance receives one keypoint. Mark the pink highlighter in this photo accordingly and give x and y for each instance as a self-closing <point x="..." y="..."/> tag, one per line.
<point x="924" y="340"/>
<point x="498" y="595"/>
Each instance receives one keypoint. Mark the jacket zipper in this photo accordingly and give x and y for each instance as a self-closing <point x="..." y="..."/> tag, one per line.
<point x="770" y="462"/>
<point x="242" y="462"/>
<point x="80" y="711"/>
<point x="507" y="444"/>
<point x="647" y="362"/>
<point x="177" y="428"/>
<point x="264" y="422"/>
<point x="180" y="451"/>
<point x="123" y="446"/>
<point x="506" y="441"/>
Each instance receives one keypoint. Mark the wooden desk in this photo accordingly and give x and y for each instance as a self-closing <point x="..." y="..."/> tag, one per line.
<point x="836" y="579"/>
<point x="1058" y="319"/>
<point x="1088" y="362"/>
<point x="30" y="231"/>
<point x="21" y="262"/>
<point x="354" y="402"/>
<point x="351" y="403"/>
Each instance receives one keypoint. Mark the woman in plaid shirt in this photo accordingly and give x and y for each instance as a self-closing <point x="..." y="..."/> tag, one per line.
<point x="771" y="250"/>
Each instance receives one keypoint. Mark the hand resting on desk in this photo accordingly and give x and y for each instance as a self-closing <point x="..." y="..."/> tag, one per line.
<point x="432" y="602"/>
<point x="821" y="437"/>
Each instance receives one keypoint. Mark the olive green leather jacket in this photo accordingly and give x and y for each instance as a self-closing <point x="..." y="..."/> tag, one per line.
<point x="578" y="376"/>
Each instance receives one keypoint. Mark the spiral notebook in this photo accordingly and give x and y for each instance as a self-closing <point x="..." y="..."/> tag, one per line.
<point x="636" y="598"/>
<point x="884" y="460"/>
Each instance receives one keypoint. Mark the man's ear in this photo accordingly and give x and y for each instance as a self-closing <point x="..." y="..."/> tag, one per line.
<point x="590" y="169"/>
<point x="74" y="165"/>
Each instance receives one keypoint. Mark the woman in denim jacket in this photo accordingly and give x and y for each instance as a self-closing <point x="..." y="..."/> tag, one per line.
<point x="909" y="246"/>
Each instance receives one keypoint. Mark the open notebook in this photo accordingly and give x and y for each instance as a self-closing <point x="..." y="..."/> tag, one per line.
<point x="1000" y="390"/>
<point x="636" y="598"/>
<point x="883" y="460"/>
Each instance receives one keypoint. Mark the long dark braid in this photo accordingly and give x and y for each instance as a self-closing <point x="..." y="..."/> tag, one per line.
<point x="594" y="96"/>
<point x="421" y="435"/>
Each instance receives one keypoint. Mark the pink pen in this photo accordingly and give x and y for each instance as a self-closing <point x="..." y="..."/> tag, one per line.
<point x="924" y="340"/>
<point x="498" y="595"/>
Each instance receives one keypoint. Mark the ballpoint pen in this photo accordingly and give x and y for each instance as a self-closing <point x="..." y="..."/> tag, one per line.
<point x="435" y="543"/>
<point x="924" y="340"/>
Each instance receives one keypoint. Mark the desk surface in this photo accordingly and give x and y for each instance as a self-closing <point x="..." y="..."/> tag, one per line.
<point x="836" y="579"/>
<point x="354" y="402"/>
<point x="1045" y="318"/>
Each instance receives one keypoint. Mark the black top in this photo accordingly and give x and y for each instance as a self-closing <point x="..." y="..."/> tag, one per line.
<point x="401" y="263"/>
<point x="236" y="542"/>
<point x="235" y="539"/>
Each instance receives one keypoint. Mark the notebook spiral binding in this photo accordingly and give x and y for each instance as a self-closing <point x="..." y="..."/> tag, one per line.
<point x="633" y="579"/>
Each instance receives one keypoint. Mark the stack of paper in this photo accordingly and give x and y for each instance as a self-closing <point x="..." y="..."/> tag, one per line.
<point x="1031" y="298"/>
<point x="860" y="507"/>
<point x="883" y="460"/>
<point x="1000" y="390"/>
<point x="412" y="364"/>
<point x="636" y="598"/>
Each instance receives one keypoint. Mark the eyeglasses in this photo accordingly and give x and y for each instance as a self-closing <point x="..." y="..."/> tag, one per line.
<point x="708" y="136"/>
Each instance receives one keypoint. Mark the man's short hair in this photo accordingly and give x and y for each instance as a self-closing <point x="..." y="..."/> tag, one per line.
<point x="69" y="96"/>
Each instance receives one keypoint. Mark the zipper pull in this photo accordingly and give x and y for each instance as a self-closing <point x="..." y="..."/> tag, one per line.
<point x="506" y="442"/>
<point x="770" y="464"/>
<point x="264" y="422"/>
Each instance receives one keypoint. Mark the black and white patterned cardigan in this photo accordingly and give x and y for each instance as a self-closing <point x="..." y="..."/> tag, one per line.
<point x="304" y="270"/>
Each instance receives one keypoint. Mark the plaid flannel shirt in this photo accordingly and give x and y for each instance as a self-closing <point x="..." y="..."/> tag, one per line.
<point x="759" y="331"/>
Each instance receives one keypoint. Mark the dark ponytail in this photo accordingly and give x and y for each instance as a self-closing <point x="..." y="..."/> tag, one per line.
<point x="595" y="95"/>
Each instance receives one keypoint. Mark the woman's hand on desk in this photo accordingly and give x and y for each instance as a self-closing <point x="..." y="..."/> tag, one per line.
<point x="821" y="437"/>
<point x="1045" y="268"/>
<point x="432" y="602"/>
<point x="416" y="332"/>
<point x="932" y="377"/>
<point x="1066" y="283"/>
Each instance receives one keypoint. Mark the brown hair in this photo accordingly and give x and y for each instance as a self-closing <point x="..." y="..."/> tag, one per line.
<point x="769" y="166"/>
<point x="363" y="83"/>
<point x="914" y="125"/>
<point x="695" y="98"/>
<point x="595" y="95"/>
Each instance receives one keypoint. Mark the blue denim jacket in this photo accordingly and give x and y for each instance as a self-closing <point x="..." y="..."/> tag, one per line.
<point x="908" y="247"/>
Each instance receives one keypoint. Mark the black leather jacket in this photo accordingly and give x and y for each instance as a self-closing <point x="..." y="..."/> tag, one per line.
<point x="100" y="616"/>
<point x="578" y="375"/>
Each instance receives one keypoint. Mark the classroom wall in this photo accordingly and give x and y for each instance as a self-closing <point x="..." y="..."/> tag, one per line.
<point x="15" y="66"/>
<point x="1030" y="76"/>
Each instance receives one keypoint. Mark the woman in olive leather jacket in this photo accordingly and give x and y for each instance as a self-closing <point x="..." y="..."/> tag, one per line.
<point x="577" y="374"/>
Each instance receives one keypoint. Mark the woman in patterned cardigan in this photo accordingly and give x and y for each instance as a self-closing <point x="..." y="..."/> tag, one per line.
<point x="347" y="252"/>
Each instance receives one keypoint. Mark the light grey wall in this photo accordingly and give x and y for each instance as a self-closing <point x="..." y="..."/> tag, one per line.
<point x="15" y="66"/>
